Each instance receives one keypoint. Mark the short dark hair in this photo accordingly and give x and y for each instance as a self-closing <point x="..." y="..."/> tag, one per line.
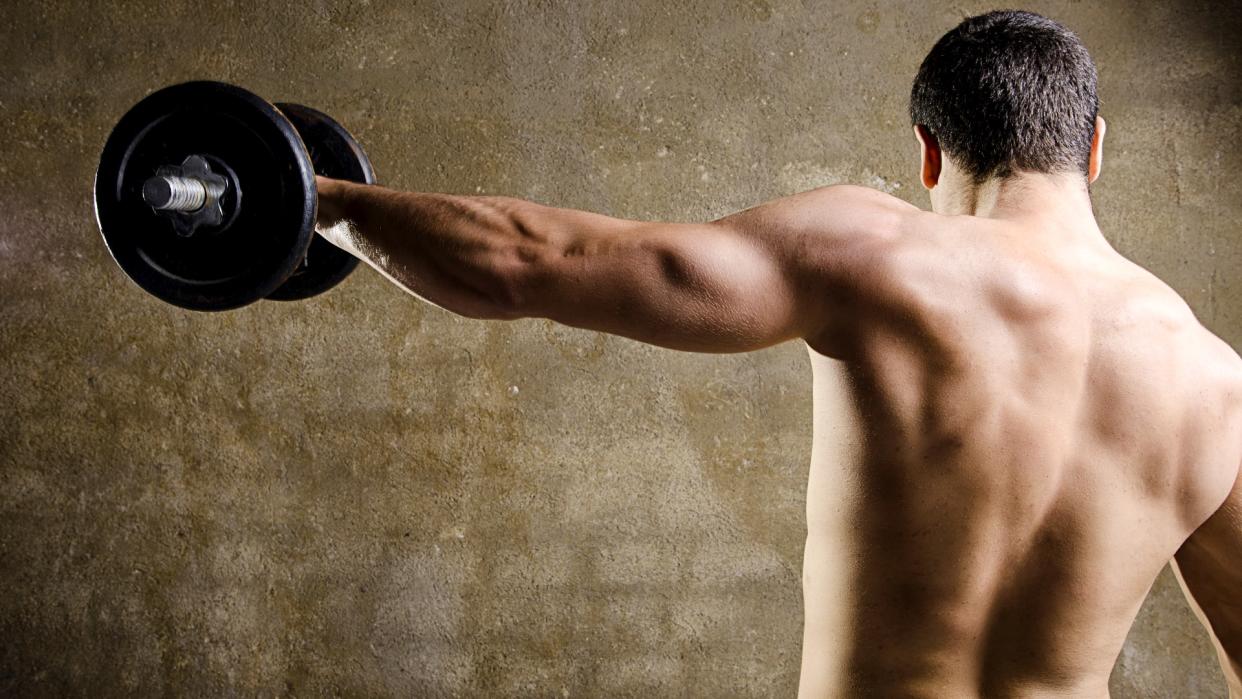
<point x="1009" y="91"/>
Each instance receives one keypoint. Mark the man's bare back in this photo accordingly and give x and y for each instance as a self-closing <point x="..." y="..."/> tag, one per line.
<point x="1008" y="457"/>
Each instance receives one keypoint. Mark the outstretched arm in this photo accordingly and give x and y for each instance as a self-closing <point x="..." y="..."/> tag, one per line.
<point x="1209" y="567"/>
<point x="779" y="271"/>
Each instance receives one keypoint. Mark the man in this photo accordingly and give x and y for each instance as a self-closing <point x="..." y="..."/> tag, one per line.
<point x="1034" y="425"/>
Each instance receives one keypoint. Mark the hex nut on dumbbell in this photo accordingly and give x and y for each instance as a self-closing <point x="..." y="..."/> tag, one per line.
<point x="189" y="194"/>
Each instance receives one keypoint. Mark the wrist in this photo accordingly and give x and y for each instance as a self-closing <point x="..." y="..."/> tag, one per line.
<point x="332" y="219"/>
<point x="330" y="209"/>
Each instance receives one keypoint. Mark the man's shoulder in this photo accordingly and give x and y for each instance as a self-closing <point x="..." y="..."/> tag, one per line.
<point x="867" y="233"/>
<point x="840" y="210"/>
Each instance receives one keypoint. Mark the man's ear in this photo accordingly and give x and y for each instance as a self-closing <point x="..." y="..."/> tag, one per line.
<point x="1096" y="161"/>
<point x="929" y="153"/>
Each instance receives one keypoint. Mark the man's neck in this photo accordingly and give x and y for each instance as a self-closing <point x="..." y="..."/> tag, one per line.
<point x="1057" y="202"/>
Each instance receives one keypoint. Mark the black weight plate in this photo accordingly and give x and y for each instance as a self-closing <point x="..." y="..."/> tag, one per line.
<point x="252" y="252"/>
<point x="336" y="154"/>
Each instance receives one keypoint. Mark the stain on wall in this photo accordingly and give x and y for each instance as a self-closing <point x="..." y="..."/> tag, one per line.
<point x="363" y="495"/>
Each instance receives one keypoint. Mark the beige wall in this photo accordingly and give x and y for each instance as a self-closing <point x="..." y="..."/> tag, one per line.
<point x="365" y="495"/>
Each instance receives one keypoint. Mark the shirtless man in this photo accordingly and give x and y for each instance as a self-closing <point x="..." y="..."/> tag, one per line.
<point x="1016" y="427"/>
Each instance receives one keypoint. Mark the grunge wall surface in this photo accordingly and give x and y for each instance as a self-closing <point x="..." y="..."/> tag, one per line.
<point x="364" y="495"/>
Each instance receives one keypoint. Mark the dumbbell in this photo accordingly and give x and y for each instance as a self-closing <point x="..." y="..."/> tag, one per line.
<point x="205" y="196"/>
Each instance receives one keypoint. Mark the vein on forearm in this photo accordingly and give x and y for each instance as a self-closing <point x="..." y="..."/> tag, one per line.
<point x="443" y="248"/>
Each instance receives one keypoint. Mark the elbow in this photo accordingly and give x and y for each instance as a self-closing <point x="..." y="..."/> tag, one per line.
<point x="511" y="289"/>
<point x="488" y="289"/>
<point x="500" y="309"/>
<point x="498" y="301"/>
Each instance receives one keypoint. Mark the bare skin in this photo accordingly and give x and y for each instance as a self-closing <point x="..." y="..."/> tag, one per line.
<point x="1016" y="428"/>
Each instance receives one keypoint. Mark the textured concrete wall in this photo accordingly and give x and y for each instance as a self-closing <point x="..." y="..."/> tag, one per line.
<point x="368" y="496"/>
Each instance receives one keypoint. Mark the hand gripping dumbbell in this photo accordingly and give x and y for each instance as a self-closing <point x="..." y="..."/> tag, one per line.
<point x="205" y="195"/>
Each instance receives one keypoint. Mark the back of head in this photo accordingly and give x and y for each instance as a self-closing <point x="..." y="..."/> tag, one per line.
<point x="1009" y="91"/>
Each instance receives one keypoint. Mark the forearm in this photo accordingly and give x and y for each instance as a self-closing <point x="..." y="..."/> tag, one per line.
<point x="458" y="252"/>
